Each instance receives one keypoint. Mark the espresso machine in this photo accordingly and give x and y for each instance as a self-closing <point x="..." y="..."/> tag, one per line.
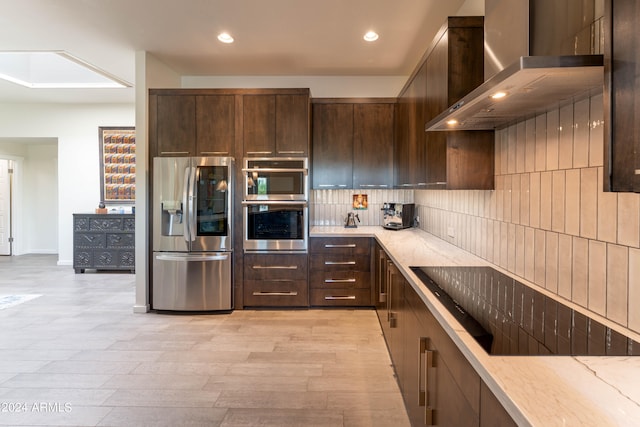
<point x="397" y="216"/>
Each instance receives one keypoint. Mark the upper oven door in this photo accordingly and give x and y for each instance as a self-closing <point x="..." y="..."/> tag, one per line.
<point x="276" y="179"/>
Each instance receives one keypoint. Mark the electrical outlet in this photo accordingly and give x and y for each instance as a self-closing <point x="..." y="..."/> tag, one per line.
<point x="451" y="232"/>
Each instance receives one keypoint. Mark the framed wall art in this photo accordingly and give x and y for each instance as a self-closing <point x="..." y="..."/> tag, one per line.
<point x="117" y="165"/>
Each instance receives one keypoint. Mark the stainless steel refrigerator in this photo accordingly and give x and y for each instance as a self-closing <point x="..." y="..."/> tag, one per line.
<point x="192" y="233"/>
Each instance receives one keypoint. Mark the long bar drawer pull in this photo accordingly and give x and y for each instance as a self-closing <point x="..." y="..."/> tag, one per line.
<point x="340" y="297"/>
<point x="274" y="267"/>
<point x="351" y="280"/>
<point x="350" y="245"/>
<point x="253" y="153"/>
<point x="174" y="153"/>
<point x="214" y="153"/>
<point x="339" y="263"/>
<point x="275" y="294"/>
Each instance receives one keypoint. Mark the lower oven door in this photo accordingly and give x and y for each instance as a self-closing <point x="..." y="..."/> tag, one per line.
<point x="275" y="226"/>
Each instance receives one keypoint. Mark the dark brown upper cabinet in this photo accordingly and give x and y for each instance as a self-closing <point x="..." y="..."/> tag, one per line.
<point x="353" y="143"/>
<point x="410" y="139"/>
<point x="172" y="125"/>
<point x="215" y="125"/>
<point x="332" y="144"/>
<point x="454" y="67"/>
<point x="621" y="94"/>
<point x="276" y="124"/>
<point x="184" y="123"/>
<point x="373" y="130"/>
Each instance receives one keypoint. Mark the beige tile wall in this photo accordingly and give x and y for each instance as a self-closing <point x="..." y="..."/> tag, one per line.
<point x="548" y="219"/>
<point x="330" y="207"/>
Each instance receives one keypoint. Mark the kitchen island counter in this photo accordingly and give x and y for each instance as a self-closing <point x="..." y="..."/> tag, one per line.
<point x="535" y="390"/>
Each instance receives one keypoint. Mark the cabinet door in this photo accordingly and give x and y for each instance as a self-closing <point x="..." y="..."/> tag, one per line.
<point x="401" y="153"/>
<point x="492" y="413"/>
<point x="395" y="300"/>
<point x="292" y="125"/>
<point x="259" y="125"/>
<point x="373" y="145"/>
<point x="215" y="125"/>
<point x="437" y="98"/>
<point x="332" y="146"/>
<point x="417" y="139"/>
<point x="175" y="125"/>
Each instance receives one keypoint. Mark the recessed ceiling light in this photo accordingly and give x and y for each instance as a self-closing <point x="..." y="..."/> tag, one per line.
<point x="499" y="95"/>
<point x="225" y="38"/>
<point x="54" y="70"/>
<point x="371" y="36"/>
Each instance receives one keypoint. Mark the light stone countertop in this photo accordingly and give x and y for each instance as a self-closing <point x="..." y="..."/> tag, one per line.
<point x="543" y="391"/>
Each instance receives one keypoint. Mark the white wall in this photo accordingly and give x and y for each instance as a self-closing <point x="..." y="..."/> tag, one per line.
<point x="75" y="126"/>
<point x="320" y="86"/>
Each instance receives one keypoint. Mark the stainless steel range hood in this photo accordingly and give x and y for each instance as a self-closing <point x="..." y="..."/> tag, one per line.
<point x="531" y="86"/>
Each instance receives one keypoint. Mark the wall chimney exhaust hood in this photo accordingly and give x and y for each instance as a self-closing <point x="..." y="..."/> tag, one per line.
<point x="531" y="86"/>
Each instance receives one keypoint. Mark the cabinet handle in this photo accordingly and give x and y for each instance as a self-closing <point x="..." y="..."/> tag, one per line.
<point x="181" y="153"/>
<point x="393" y="320"/>
<point x="326" y="185"/>
<point x="340" y="297"/>
<point x="428" y="416"/>
<point x="352" y="280"/>
<point x="382" y="291"/>
<point x="291" y="152"/>
<point x="214" y="153"/>
<point x="373" y="185"/>
<point x="274" y="267"/>
<point x="275" y="294"/>
<point x="350" y="245"/>
<point x="252" y="153"/>
<point x="339" y="263"/>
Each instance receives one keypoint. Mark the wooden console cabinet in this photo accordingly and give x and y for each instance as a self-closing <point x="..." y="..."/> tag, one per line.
<point x="103" y="242"/>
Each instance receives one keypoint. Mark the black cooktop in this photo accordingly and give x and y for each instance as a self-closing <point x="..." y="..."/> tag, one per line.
<point x="507" y="317"/>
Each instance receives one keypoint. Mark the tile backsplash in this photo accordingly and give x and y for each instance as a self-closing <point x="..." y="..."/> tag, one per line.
<point x="330" y="207"/>
<point x="548" y="219"/>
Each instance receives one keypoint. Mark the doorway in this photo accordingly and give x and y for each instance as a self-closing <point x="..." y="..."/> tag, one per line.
<point x="6" y="197"/>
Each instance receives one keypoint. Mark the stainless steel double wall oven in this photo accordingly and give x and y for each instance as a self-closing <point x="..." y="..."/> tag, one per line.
<point x="276" y="204"/>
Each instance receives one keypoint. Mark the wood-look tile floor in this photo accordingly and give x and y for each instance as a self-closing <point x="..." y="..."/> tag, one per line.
<point x="78" y="356"/>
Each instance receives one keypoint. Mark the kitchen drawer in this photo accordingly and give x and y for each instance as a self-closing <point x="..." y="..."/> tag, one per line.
<point x="336" y="262"/>
<point x="89" y="240"/>
<point x="105" y="224"/>
<point x="339" y="279"/>
<point x="276" y="293"/>
<point x="340" y="297"/>
<point x="120" y="240"/>
<point x="275" y="266"/>
<point x="340" y="245"/>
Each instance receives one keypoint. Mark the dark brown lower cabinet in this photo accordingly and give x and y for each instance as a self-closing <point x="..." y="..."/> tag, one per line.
<point x="492" y="413"/>
<point x="275" y="280"/>
<point x="340" y="272"/>
<point x="438" y="384"/>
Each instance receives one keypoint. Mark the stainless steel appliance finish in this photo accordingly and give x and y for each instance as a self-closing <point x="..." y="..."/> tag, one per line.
<point x="275" y="226"/>
<point x="398" y="216"/>
<point x="275" y="206"/>
<point x="276" y="178"/>
<point x="192" y="281"/>
<point x="192" y="233"/>
<point x="532" y="85"/>
<point x="538" y="56"/>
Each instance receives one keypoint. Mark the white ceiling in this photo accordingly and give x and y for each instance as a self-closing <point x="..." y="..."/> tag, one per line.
<point x="273" y="37"/>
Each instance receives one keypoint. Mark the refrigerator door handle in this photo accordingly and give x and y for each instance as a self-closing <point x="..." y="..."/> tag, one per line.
<point x="185" y="207"/>
<point x="192" y="204"/>
<point x="220" y="257"/>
